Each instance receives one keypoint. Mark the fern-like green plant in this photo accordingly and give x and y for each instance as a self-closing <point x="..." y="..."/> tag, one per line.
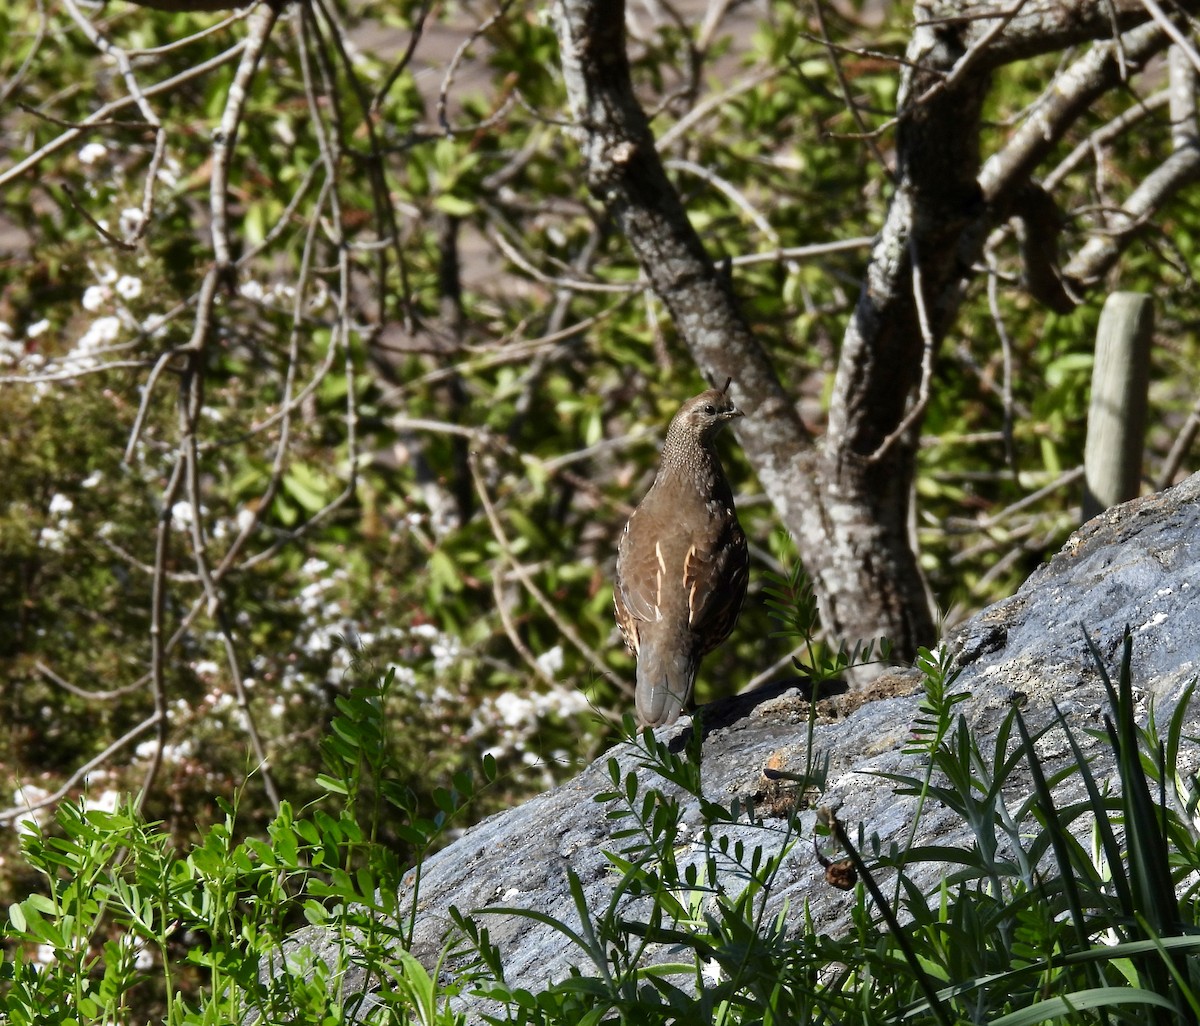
<point x="792" y="603"/>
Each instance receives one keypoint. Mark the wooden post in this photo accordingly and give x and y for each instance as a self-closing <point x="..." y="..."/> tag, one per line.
<point x="1117" y="415"/>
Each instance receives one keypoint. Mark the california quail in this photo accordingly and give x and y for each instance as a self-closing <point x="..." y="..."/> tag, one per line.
<point x="682" y="563"/>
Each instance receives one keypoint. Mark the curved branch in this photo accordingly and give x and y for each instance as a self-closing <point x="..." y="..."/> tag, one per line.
<point x="1041" y="26"/>
<point x="1158" y="188"/>
<point x="1069" y="96"/>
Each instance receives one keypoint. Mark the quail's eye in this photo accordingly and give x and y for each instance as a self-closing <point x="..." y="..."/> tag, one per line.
<point x="709" y="409"/>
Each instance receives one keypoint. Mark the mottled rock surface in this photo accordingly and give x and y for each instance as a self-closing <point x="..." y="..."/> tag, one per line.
<point x="1137" y="564"/>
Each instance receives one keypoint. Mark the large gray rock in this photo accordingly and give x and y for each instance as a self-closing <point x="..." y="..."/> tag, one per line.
<point x="1138" y="564"/>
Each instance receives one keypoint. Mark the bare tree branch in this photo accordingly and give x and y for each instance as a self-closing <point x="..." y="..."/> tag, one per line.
<point x="1067" y="98"/>
<point x="1178" y="171"/>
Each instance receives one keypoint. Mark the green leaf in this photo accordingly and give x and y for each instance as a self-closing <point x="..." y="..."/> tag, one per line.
<point x="1100" y="997"/>
<point x="455" y="206"/>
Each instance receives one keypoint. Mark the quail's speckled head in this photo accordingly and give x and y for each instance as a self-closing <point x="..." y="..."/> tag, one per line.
<point x="700" y="420"/>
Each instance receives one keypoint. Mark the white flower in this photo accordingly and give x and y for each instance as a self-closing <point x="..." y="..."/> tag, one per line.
<point x="95" y="296"/>
<point x="206" y="667"/>
<point x="171" y="753"/>
<point x="562" y="702"/>
<point x="93" y="479"/>
<point x="312" y="596"/>
<point x="93" y="153"/>
<point x="182" y="515"/>
<point x="252" y="289"/>
<point x="52" y="538"/>
<point x="60" y="504"/>
<point x="550" y="663"/>
<point x="514" y="710"/>
<point x="10" y="351"/>
<point x="104" y="331"/>
<point x="322" y="639"/>
<point x="129" y="287"/>
<point x="37" y="328"/>
<point x="445" y="652"/>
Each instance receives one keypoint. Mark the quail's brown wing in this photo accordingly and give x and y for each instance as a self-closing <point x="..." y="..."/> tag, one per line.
<point x="716" y="571"/>
<point x="638" y="587"/>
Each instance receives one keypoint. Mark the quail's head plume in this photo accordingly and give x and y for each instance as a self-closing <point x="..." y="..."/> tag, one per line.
<point x="682" y="563"/>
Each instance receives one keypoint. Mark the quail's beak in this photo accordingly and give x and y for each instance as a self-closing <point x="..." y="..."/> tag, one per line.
<point x="733" y="414"/>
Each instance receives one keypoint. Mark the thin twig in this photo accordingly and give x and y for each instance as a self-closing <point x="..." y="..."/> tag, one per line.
<point x="18" y="76"/>
<point x="104" y="113"/>
<point x="1063" y="480"/>
<point x="459" y="55"/>
<point x="121" y="58"/>
<point x="712" y="105"/>
<point x="158" y="603"/>
<point x="10" y="814"/>
<point x="1172" y="32"/>
<point x="723" y="185"/>
<point x="1115" y="128"/>
<point x="261" y="23"/>
<point x="867" y="134"/>
<point x="1006" y="393"/>
<point x="513" y="254"/>
<point x="510" y="629"/>
<point x="815" y="249"/>
<point x="75" y="689"/>
<point x="418" y="28"/>
<point x="1179" y="449"/>
<point x="928" y="350"/>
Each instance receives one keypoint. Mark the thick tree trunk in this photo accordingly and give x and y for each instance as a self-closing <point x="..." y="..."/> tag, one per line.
<point x="888" y="351"/>
<point x="848" y="502"/>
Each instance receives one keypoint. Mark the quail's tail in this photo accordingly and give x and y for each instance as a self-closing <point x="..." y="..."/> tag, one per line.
<point x="665" y="675"/>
